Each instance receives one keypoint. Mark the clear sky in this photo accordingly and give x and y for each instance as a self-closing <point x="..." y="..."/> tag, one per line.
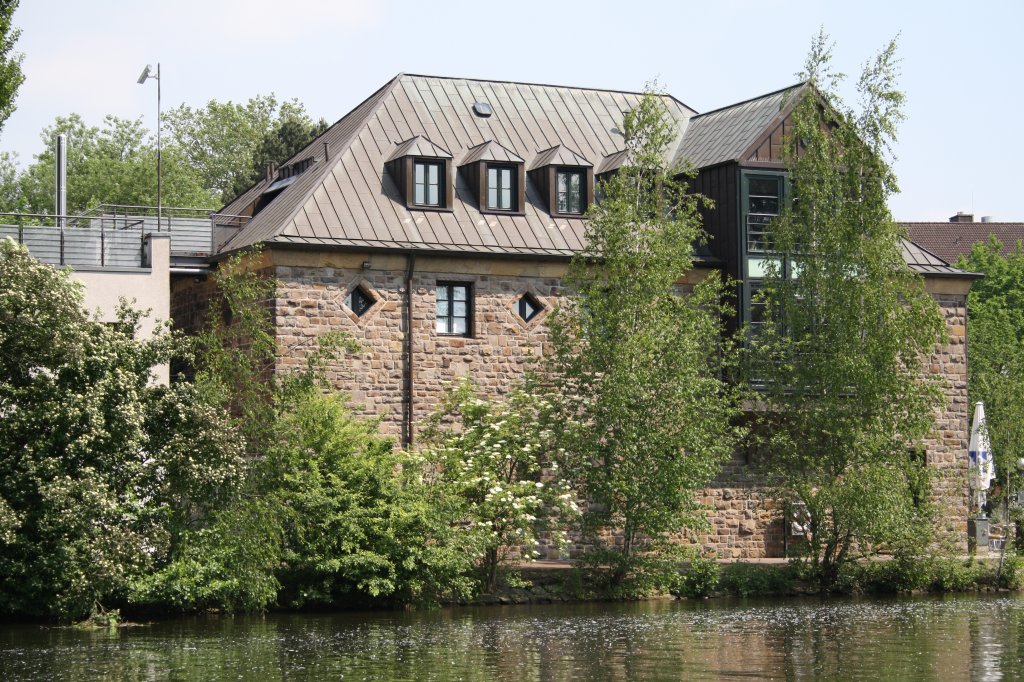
<point x="962" y="64"/>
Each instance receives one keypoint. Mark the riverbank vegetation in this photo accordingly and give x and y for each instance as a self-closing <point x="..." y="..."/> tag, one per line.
<point x="889" y="575"/>
<point x="996" y="369"/>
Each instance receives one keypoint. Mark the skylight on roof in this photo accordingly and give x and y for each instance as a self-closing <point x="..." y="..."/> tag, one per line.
<point x="482" y="109"/>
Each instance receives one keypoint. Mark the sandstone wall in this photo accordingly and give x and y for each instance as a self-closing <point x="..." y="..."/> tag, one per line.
<point x="310" y="302"/>
<point x="946" y="448"/>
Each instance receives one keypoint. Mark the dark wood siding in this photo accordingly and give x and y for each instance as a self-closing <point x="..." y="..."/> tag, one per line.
<point x="769" y="146"/>
<point x="719" y="184"/>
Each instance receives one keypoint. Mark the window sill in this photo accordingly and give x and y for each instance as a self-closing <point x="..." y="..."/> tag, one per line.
<point x="498" y="211"/>
<point x="431" y="209"/>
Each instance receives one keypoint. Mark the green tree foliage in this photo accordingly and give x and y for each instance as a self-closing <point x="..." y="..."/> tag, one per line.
<point x="844" y="395"/>
<point x="11" y="76"/>
<point x="112" y="164"/>
<point x="327" y="512"/>
<point x="996" y="339"/>
<point x="99" y="468"/>
<point x="637" y="360"/>
<point x="289" y="136"/>
<point x="491" y="459"/>
<point x="228" y="143"/>
<point x="359" y="521"/>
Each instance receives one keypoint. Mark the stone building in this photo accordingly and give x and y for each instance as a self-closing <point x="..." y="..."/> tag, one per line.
<point x="435" y="222"/>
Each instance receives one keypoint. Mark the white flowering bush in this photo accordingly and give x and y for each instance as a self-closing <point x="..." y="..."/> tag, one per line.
<point x="497" y="459"/>
<point x="100" y="469"/>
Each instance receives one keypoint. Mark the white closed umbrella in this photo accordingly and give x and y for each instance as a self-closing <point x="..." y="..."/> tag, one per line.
<point x="979" y="454"/>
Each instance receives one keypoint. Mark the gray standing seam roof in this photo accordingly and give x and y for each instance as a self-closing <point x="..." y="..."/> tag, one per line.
<point x="490" y="151"/>
<point x="352" y="200"/>
<point x="925" y="262"/>
<point x="724" y="134"/>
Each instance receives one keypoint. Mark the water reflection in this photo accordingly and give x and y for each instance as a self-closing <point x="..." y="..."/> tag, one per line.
<point x="962" y="637"/>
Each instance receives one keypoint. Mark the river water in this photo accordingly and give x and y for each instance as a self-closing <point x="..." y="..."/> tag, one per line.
<point x="955" y="637"/>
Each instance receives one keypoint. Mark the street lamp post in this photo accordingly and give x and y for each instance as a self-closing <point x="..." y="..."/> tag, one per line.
<point x="147" y="73"/>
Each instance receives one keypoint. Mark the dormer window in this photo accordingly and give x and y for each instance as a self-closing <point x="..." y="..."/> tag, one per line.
<point x="566" y="181"/>
<point x="422" y="172"/>
<point x="496" y="177"/>
<point x="427" y="182"/>
<point x="500" y="186"/>
<point x="570" y="190"/>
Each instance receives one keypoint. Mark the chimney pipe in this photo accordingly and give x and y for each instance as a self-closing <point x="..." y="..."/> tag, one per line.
<point x="60" y="199"/>
<point x="987" y="219"/>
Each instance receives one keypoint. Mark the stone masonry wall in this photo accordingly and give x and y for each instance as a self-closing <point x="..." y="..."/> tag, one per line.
<point x="947" y="446"/>
<point x="310" y="302"/>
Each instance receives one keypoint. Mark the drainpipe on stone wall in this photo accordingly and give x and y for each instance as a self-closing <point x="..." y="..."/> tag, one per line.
<point x="407" y="399"/>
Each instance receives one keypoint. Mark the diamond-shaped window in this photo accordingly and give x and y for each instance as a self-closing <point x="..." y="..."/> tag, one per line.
<point x="358" y="301"/>
<point x="529" y="307"/>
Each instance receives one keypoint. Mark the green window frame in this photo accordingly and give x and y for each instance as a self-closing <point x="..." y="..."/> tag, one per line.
<point x="762" y="197"/>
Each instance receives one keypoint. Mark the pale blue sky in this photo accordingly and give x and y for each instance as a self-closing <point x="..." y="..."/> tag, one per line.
<point x="962" y="63"/>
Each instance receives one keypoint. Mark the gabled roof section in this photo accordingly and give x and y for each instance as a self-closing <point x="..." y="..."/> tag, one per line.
<point x="347" y="199"/>
<point x="725" y="134"/>
<point x="613" y="161"/>
<point x="927" y="263"/>
<point x="490" y="151"/>
<point x="419" y="146"/>
<point x="559" y="155"/>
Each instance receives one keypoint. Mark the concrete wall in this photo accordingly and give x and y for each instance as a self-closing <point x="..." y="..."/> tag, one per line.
<point x="145" y="288"/>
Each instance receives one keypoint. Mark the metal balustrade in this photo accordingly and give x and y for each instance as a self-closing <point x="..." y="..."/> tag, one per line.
<point x="114" y="236"/>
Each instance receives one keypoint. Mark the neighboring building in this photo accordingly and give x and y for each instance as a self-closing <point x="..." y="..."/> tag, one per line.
<point x="118" y="256"/>
<point x="436" y="220"/>
<point x="949" y="241"/>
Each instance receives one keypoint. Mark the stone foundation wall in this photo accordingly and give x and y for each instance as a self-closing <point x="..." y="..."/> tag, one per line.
<point x="311" y="301"/>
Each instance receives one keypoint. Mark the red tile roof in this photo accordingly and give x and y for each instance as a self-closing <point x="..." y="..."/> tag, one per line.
<point x="950" y="240"/>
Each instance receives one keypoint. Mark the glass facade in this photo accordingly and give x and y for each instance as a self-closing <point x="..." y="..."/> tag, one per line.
<point x="762" y="199"/>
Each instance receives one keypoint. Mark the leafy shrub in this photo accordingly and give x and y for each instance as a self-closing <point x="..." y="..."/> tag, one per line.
<point x="498" y="464"/>
<point x="700" y="579"/>
<point x="749" y="580"/>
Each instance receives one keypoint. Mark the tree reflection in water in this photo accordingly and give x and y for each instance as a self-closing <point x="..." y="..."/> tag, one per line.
<point x="956" y="637"/>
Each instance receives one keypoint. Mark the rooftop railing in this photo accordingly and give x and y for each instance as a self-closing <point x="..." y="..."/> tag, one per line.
<point x="114" y="236"/>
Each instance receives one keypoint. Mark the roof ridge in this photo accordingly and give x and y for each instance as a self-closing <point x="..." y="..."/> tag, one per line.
<point x="752" y="99"/>
<point x="547" y="85"/>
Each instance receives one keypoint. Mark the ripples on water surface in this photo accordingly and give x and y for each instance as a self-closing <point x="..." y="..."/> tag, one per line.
<point x="951" y="638"/>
